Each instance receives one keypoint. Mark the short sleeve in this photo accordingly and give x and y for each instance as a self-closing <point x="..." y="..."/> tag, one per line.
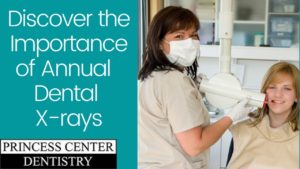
<point x="182" y="102"/>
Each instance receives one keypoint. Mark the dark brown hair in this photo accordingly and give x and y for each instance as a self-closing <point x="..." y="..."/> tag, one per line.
<point x="167" y="20"/>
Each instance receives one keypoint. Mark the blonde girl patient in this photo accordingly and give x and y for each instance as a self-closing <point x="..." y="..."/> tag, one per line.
<point x="269" y="139"/>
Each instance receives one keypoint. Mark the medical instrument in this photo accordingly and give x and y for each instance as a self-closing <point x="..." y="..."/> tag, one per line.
<point x="224" y="90"/>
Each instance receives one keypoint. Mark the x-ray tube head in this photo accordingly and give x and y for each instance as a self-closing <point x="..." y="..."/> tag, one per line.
<point x="224" y="90"/>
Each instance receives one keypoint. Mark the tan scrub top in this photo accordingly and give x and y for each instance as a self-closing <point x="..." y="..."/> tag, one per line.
<point x="169" y="103"/>
<point x="263" y="147"/>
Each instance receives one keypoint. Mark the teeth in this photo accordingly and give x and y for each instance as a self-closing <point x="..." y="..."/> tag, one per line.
<point x="277" y="101"/>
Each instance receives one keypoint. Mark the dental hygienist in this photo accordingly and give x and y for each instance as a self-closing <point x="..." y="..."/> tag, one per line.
<point x="174" y="131"/>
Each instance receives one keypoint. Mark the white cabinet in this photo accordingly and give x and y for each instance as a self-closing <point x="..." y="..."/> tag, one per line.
<point x="283" y="25"/>
<point x="219" y="151"/>
<point x="253" y="53"/>
<point x="250" y="21"/>
<point x="270" y="23"/>
<point x="257" y="22"/>
<point x="215" y="156"/>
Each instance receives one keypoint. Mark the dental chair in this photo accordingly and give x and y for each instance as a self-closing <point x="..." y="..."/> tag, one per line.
<point x="229" y="152"/>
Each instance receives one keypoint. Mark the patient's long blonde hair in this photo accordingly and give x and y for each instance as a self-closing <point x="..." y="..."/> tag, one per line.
<point x="279" y="69"/>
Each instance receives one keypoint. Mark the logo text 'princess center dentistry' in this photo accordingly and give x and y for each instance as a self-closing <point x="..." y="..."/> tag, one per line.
<point x="58" y="154"/>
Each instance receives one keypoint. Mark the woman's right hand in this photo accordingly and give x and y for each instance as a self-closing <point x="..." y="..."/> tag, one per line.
<point x="240" y="111"/>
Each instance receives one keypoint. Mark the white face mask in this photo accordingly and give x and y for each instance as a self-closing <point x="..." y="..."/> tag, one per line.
<point x="184" y="52"/>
